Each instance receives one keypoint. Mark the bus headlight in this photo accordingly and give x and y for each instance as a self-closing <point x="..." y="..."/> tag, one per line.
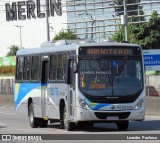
<point x="139" y="104"/>
<point x="82" y="103"/>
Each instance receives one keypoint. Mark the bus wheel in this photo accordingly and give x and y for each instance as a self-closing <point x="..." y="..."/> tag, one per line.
<point x="123" y="125"/>
<point x="43" y="123"/>
<point x="68" y="126"/>
<point x="34" y="122"/>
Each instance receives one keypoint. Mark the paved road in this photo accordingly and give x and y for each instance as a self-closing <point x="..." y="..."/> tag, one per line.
<point x="14" y="123"/>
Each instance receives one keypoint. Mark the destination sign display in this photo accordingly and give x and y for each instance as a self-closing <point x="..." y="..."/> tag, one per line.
<point x="119" y="51"/>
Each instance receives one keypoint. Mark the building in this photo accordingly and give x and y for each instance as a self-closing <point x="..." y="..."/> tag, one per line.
<point x="93" y="19"/>
<point x="97" y="19"/>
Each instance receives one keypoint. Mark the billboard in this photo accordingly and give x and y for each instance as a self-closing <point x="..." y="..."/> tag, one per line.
<point x="8" y="61"/>
<point x="1" y="61"/>
<point x="152" y="59"/>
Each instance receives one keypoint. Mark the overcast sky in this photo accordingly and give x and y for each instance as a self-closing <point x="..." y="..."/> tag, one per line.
<point x="33" y="30"/>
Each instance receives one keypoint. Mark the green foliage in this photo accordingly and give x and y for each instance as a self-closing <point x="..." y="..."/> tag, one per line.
<point x="13" y="50"/>
<point x="7" y="70"/>
<point x="120" y="34"/>
<point x="68" y="35"/>
<point x="147" y="35"/>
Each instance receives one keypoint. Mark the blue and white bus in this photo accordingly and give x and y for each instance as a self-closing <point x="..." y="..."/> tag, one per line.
<point x="80" y="83"/>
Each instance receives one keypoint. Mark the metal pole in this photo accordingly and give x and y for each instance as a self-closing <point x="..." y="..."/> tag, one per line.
<point x="20" y="37"/>
<point x="126" y="21"/>
<point x="47" y="21"/>
<point x="20" y="28"/>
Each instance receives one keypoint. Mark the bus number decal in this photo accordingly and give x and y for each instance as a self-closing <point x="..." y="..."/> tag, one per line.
<point x="53" y="91"/>
<point x="56" y="90"/>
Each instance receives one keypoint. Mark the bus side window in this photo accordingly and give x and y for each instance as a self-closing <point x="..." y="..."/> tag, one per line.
<point x="64" y="67"/>
<point x="19" y="70"/>
<point x="35" y="72"/>
<point x="53" y="67"/>
<point x="59" y="68"/>
<point x="58" y="65"/>
<point x="27" y="68"/>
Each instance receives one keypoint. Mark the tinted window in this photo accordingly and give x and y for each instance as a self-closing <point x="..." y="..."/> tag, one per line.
<point x="19" y="72"/>
<point x="58" y="67"/>
<point x="64" y="66"/>
<point x="26" y="69"/>
<point x="105" y="77"/>
<point x="35" y="68"/>
<point x="53" y="67"/>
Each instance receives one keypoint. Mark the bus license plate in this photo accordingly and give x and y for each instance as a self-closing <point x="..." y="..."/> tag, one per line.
<point x="112" y="118"/>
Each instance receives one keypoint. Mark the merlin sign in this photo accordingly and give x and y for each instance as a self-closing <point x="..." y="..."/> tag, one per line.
<point x="23" y="10"/>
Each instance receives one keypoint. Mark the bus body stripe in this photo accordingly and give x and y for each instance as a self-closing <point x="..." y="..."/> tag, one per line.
<point x="96" y="106"/>
<point x="22" y="89"/>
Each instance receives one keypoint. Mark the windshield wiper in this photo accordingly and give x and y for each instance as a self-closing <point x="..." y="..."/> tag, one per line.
<point x="120" y="69"/>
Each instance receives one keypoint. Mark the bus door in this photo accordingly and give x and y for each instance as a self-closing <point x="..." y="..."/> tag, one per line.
<point x="72" y="95"/>
<point x="44" y="95"/>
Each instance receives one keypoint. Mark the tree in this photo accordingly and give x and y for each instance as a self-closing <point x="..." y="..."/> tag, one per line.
<point x="132" y="9"/>
<point x="147" y="35"/>
<point x="13" y="50"/>
<point x="120" y="34"/>
<point x="68" y="35"/>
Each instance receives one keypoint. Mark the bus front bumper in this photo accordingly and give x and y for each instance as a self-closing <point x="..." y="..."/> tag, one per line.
<point x="108" y="116"/>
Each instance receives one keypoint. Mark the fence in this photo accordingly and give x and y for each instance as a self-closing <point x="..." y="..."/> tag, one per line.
<point x="7" y="86"/>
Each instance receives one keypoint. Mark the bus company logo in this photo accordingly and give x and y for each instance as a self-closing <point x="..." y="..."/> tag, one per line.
<point x="6" y="137"/>
<point x="113" y="107"/>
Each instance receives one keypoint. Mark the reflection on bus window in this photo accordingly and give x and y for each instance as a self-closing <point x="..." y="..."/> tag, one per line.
<point x="35" y="72"/>
<point x="95" y="74"/>
<point x="27" y="67"/>
<point x="19" y="71"/>
<point x="110" y="77"/>
<point x="58" y="65"/>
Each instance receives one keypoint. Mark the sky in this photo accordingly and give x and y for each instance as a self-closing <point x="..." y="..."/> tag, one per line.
<point x="33" y="30"/>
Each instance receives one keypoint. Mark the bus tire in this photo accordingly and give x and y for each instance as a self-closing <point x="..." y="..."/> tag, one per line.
<point x="34" y="122"/>
<point x="123" y="125"/>
<point x="43" y="123"/>
<point x="68" y="126"/>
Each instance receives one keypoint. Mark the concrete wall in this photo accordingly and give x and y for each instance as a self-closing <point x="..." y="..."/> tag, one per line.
<point x="6" y="100"/>
<point x="152" y="104"/>
<point x="153" y="81"/>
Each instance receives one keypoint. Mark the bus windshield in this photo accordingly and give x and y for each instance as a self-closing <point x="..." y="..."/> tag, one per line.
<point x="110" y="77"/>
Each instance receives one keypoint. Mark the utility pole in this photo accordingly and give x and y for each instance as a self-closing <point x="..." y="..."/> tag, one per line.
<point x="47" y="21"/>
<point x="20" y="28"/>
<point x="126" y="21"/>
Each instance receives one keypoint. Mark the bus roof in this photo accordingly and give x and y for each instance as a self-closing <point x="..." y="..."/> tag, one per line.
<point x="67" y="45"/>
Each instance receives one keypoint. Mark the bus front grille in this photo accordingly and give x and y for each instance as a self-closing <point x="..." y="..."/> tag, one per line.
<point x="120" y="115"/>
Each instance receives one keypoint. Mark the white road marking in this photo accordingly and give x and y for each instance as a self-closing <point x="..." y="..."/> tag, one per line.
<point x="7" y="107"/>
<point x="8" y="113"/>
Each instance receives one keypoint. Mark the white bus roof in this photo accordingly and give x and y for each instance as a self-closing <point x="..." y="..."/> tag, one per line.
<point x="64" y="45"/>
